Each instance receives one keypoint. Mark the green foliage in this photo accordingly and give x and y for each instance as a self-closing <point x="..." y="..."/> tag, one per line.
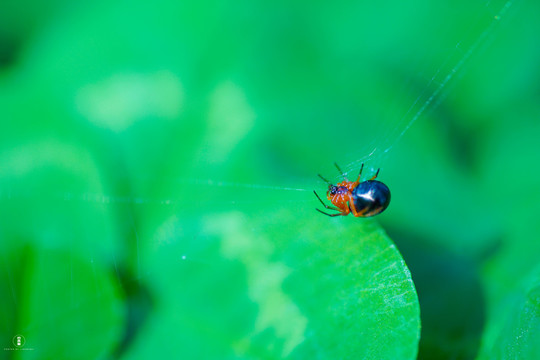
<point x="245" y="288"/>
<point x="157" y="162"/>
<point x="514" y="334"/>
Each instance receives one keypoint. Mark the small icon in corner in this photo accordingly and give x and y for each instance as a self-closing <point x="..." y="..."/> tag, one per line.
<point x="18" y="341"/>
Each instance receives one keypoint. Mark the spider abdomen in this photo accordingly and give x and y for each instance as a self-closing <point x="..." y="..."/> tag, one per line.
<point x="371" y="197"/>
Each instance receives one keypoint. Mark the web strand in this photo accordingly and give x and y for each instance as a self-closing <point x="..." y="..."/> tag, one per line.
<point x="399" y="131"/>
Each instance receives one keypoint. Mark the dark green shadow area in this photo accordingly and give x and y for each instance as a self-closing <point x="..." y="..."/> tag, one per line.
<point x="14" y="266"/>
<point x="452" y="302"/>
<point x="9" y="50"/>
<point x="139" y="302"/>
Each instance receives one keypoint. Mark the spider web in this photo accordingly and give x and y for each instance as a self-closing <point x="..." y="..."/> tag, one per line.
<point x="437" y="87"/>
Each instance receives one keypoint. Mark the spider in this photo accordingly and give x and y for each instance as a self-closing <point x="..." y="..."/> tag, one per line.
<point x="363" y="199"/>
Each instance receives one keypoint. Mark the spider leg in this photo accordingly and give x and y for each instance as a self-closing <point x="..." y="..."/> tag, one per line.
<point x="341" y="172"/>
<point x="354" y="211"/>
<point x="322" y="202"/>
<point x="375" y="176"/>
<point x="359" y="174"/>
<point x="326" y="181"/>
<point x="331" y="215"/>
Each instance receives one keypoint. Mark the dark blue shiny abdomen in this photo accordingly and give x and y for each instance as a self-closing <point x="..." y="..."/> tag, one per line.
<point x="371" y="198"/>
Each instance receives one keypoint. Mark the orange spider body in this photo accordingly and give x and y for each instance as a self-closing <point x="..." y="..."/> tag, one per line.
<point x="363" y="199"/>
<point x="342" y="196"/>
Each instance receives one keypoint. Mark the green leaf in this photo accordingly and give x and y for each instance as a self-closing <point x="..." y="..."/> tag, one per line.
<point x="66" y="308"/>
<point x="520" y="326"/>
<point x="280" y="285"/>
<point x="60" y="291"/>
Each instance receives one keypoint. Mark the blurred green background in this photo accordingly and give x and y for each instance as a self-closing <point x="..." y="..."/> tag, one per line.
<point x="157" y="162"/>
